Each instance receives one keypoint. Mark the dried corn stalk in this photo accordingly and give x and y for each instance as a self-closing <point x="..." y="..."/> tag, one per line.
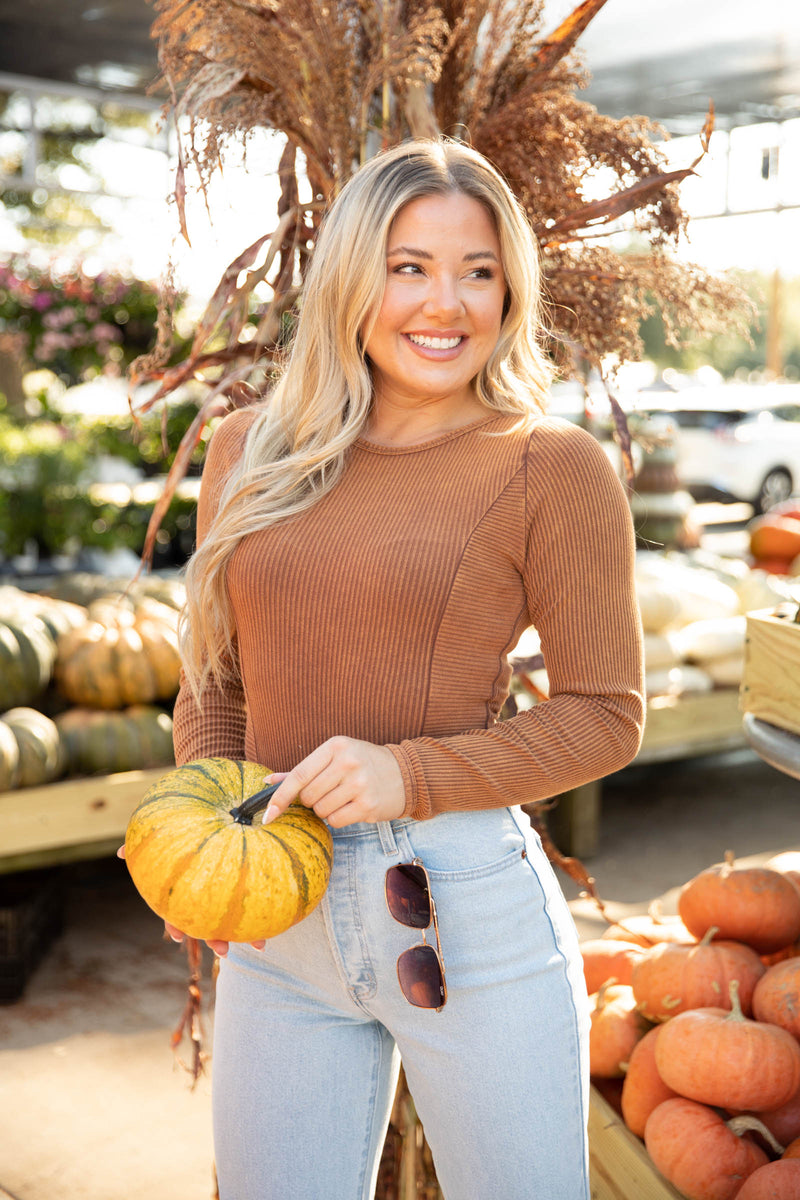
<point x="340" y="79"/>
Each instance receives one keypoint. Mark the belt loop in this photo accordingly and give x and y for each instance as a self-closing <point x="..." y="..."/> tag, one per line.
<point x="386" y="834"/>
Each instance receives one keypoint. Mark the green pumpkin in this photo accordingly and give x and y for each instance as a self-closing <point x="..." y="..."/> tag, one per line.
<point x="41" y="752"/>
<point x="27" y="655"/>
<point x="101" y="742"/>
<point x="9" y="759"/>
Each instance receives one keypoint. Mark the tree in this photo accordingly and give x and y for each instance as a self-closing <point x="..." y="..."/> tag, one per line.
<point x="735" y="352"/>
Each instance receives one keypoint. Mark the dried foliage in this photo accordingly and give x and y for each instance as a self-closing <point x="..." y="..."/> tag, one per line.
<point x="342" y="78"/>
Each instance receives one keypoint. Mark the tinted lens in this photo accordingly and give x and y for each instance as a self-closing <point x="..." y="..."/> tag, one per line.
<point x="420" y="977"/>
<point x="407" y="895"/>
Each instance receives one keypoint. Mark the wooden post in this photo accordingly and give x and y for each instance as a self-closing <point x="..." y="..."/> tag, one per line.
<point x="574" y="820"/>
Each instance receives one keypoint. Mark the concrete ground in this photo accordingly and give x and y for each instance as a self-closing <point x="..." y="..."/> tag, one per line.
<point x="92" y="1103"/>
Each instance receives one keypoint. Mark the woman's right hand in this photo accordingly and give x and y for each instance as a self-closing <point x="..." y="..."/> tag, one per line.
<point x="219" y="947"/>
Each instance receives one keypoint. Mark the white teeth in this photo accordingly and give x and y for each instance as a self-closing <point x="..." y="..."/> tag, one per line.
<point x="435" y="343"/>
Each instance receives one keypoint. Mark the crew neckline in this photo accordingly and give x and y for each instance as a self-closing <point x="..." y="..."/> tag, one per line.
<point x="447" y="436"/>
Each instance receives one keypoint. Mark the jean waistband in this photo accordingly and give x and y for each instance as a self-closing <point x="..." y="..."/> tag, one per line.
<point x="383" y="832"/>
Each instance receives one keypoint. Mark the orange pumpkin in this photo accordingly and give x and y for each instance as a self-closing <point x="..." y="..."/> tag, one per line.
<point x="616" y="1027"/>
<point x="755" y="905"/>
<point x="792" y="1150"/>
<point x="773" y="566"/>
<point x="774" y="1181"/>
<point x="790" y="951"/>
<point x="783" y="1122"/>
<point x="669" y="979"/>
<point x="650" y="929"/>
<point x="605" y="959"/>
<point x="777" y="996"/>
<point x="693" y="1147"/>
<point x="643" y="1089"/>
<point x="774" y="535"/>
<point x="726" y="1060"/>
<point x="126" y="653"/>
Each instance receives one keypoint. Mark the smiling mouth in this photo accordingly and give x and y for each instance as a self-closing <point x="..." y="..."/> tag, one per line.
<point x="435" y="343"/>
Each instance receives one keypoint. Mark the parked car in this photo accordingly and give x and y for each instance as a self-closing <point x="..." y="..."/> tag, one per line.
<point x="734" y="442"/>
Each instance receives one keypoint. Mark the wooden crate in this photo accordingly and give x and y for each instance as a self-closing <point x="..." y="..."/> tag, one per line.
<point x="619" y="1166"/>
<point x="69" y="821"/>
<point x="771" y="682"/>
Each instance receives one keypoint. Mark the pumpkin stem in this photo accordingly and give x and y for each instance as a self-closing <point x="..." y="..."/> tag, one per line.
<point x="601" y="1001"/>
<point x="736" y="1013"/>
<point x="709" y="935"/>
<point x="254" y="804"/>
<point x="744" y="1123"/>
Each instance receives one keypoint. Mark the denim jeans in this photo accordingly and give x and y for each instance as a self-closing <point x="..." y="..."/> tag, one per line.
<point x="309" y="1032"/>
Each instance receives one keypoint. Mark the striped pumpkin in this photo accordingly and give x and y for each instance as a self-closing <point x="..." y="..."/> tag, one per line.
<point x="213" y="877"/>
<point x="125" y="653"/>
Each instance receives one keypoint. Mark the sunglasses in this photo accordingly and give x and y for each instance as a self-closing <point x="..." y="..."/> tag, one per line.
<point x="420" y="970"/>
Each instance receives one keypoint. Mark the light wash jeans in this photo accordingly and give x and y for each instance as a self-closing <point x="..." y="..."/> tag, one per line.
<point x="307" y="1031"/>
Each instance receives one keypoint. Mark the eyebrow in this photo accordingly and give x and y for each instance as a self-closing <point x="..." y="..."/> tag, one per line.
<point x="413" y="252"/>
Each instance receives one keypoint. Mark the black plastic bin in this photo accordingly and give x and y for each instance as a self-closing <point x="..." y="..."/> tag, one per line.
<point x="31" y="917"/>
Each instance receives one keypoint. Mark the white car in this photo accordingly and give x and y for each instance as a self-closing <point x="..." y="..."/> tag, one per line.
<point x="734" y="442"/>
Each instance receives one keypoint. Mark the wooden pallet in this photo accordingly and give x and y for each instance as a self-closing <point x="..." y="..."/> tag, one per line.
<point x="620" y="1167"/>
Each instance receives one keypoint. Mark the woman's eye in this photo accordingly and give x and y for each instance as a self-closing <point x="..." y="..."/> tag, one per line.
<point x="407" y="269"/>
<point x="483" y="273"/>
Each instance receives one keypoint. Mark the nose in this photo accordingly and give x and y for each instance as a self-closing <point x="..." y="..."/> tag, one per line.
<point x="443" y="299"/>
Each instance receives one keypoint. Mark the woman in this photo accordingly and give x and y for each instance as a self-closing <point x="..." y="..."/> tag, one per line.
<point x="373" y="540"/>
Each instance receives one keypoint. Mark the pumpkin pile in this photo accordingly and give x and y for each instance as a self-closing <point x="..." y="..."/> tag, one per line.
<point x="693" y="606"/>
<point x="695" y="1031"/>
<point x="86" y="679"/>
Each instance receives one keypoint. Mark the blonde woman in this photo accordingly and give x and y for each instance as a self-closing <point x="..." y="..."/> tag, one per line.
<point x="373" y="539"/>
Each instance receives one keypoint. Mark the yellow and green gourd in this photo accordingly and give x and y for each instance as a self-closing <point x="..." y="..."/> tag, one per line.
<point x="202" y="863"/>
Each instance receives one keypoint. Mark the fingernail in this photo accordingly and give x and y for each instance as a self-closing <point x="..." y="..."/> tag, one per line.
<point x="272" y="812"/>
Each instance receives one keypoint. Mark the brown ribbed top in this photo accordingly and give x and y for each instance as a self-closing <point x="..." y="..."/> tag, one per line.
<point x="387" y="611"/>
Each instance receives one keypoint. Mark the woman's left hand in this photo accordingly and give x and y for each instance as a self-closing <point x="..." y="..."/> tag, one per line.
<point x="344" y="781"/>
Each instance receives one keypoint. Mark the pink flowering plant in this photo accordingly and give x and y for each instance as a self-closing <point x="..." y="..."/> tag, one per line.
<point x="73" y="323"/>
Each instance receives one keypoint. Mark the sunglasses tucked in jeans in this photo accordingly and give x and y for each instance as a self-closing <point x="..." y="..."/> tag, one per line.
<point x="309" y="1031"/>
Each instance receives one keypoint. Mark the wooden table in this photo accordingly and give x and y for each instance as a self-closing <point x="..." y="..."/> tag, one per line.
<point x="675" y="728"/>
<point x="86" y="818"/>
<point x="69" y="821"/>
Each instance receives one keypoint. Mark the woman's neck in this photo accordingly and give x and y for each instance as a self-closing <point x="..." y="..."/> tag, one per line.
<point x="393" y="425"/>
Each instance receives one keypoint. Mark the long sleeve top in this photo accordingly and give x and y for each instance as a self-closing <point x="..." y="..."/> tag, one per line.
<point x="386" y="612"/>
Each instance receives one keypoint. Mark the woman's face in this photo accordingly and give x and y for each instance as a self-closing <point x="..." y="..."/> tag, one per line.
<point x="442" y="308"/>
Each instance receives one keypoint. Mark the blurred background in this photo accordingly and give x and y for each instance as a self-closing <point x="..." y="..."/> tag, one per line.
<point x="90" y="242"/>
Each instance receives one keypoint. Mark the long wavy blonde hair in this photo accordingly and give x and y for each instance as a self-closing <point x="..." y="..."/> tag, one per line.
<point x="296" y="448"/>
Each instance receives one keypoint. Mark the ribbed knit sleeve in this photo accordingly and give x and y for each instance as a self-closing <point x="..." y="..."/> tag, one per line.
<point x="218" y="727"/>
<point x="578" y="578"/>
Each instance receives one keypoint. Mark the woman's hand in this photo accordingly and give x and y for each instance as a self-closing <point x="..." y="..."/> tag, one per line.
<point x="344" y="781"/>
<point x="220" y="948"/>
